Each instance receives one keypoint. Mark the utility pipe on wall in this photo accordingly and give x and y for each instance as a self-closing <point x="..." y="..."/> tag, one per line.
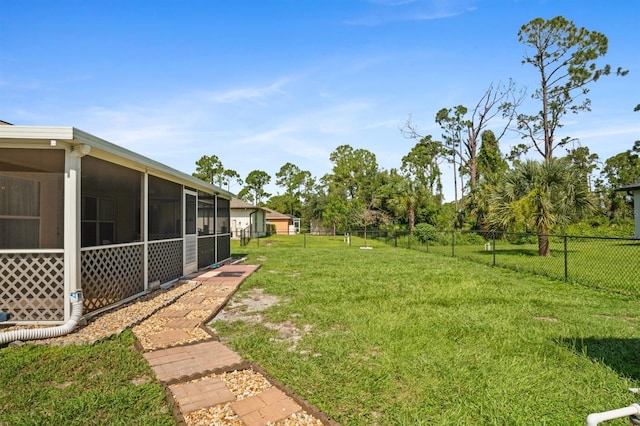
<point x="46" y="333"/>
<point x="595" y="418"/>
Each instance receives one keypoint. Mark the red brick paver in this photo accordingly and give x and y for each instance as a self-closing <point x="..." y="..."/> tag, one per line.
<point x="200" y="394"/>
<point x="183" y="323"/>
<point x="172" y="313"/>
<point x="173" y="363"/>
<point x="268" y="406"/>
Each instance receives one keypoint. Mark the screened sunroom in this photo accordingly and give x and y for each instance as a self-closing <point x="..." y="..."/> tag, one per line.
<point x="78" y="212"/>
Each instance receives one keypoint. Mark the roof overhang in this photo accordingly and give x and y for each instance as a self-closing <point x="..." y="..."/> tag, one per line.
<point x="629" y="188"/>
<point x="49" y="136"/>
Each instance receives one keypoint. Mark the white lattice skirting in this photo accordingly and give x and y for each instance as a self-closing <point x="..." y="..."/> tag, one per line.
<point x="111" y="274"/>
<point x="32" y="286"/>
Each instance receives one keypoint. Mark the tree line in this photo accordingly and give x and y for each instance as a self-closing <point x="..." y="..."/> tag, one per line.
<point x="493" y="190"/>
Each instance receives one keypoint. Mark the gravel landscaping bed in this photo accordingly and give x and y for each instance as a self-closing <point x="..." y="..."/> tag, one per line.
<point x="119" y="319"/>
<point x="243" y="384"/>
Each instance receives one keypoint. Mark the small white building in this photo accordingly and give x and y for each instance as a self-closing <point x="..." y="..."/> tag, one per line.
<point x="78" y="212"/>
<point x="634" y="190"/>
<point x="247" y="218"/>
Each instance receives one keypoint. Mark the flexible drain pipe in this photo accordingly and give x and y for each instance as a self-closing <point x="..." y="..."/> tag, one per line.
<point x="595" y="418"/>
<point x="45" y="333"/>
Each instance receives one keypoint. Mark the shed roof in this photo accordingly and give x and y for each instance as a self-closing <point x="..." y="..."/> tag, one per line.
<point x="237" y="203"/>
<point x="45" y="136"/>
<point x="272" y="214"/>
<point x="631" y="187"/>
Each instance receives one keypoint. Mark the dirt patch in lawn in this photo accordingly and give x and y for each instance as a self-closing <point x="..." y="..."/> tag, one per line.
<point x="249" y="309"/>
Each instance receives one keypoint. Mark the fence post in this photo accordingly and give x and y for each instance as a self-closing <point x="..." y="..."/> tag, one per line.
<point x="395" y="239"/>
<point x="493" y="240"/>
<point x="566" y="257"/>
<point x="304" y="234"/>
<point x="453" y="243"/>
<point x="409" y="239"/>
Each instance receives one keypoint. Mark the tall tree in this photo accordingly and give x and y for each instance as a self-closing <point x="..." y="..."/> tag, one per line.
<point x="208" y="168"/>
<point x="253" y="191"/>
<point x="541" y="195"/>
<point x="463" y="131"/>
<point x="295" y="183"/>
<point x="491" y="167"/>
<point x="454" y="127"/>
<point x="490" y="159"/>
<point x="351" y="185"/>
<point x="353" y="171"/>
<point x="408" y="195"/>
<point x="584" y="161"/>
<point x="565" y="57"/>
<point x="229" y="176"/>
<point x="422" y="164"/>
<point x="621" y="169"/>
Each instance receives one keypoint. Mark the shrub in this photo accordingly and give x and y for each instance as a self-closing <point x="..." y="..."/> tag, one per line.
<point x="470" y="238"/>
<point x="424" y="232"/>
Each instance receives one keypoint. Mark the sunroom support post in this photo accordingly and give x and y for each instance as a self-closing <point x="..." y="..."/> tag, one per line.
<point x="72" y="244"/>
<point x="144" y="226"/>
<point x="215" y="224"/>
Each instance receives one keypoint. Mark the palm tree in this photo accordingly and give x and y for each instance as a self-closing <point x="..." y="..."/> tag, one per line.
<point x="539" y="194"/>
<point x="408" y="196"/>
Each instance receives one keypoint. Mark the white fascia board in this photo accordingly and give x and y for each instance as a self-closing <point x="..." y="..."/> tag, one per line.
<point x="40" y="135"/>
<point x="36" y="133"/>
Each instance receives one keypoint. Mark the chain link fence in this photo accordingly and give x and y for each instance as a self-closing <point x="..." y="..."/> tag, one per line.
<point x="610" y="264"/>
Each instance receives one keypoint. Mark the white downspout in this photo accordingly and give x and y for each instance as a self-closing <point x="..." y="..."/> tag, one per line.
<point x="46" y="333"/>
<point x="595" y="418"/>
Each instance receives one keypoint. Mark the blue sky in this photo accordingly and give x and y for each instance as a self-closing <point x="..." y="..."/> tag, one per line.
<point x="261" y="83"/>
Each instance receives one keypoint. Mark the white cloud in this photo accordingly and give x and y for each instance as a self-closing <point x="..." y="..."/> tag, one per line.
<point x="388" y="11"/>
<point x="253" y="94"/>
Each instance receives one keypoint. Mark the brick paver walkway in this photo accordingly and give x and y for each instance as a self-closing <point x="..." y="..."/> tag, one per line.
<point x="184" y="356"/>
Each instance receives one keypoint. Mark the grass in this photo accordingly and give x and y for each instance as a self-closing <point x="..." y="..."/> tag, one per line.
<point x="106" y="383"/>
<point x="604" y="263"/>
<point x="608" y="264"/>
<point x="405" y="337"/>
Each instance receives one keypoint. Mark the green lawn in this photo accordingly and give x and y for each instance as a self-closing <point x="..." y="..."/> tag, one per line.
<point x="608" y="264"/>
<point x="405" y="337"/>
<point x="108" y="383"/>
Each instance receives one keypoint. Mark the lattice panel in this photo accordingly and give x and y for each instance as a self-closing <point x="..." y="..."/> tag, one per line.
<point x="165" y="261"/>
<point x="110" y="275"/>
<point x="32" y="286"/>
<point x="224" y="248"/>
<point x="206" y="251"/>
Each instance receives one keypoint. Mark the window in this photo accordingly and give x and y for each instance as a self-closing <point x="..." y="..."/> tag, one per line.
<point x="110" y="209"/>
<point x="98" y="221"/>
<point x="223" y="216"/>
<point x="206" y="214"/>
<point x="165" y="209"/>
<point x="31" y="198"/>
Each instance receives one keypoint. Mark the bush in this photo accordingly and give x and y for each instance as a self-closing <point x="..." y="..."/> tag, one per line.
<point x="470" y="238"/>
<point x="519" y="239"/>
<point x="424" y="232"/>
